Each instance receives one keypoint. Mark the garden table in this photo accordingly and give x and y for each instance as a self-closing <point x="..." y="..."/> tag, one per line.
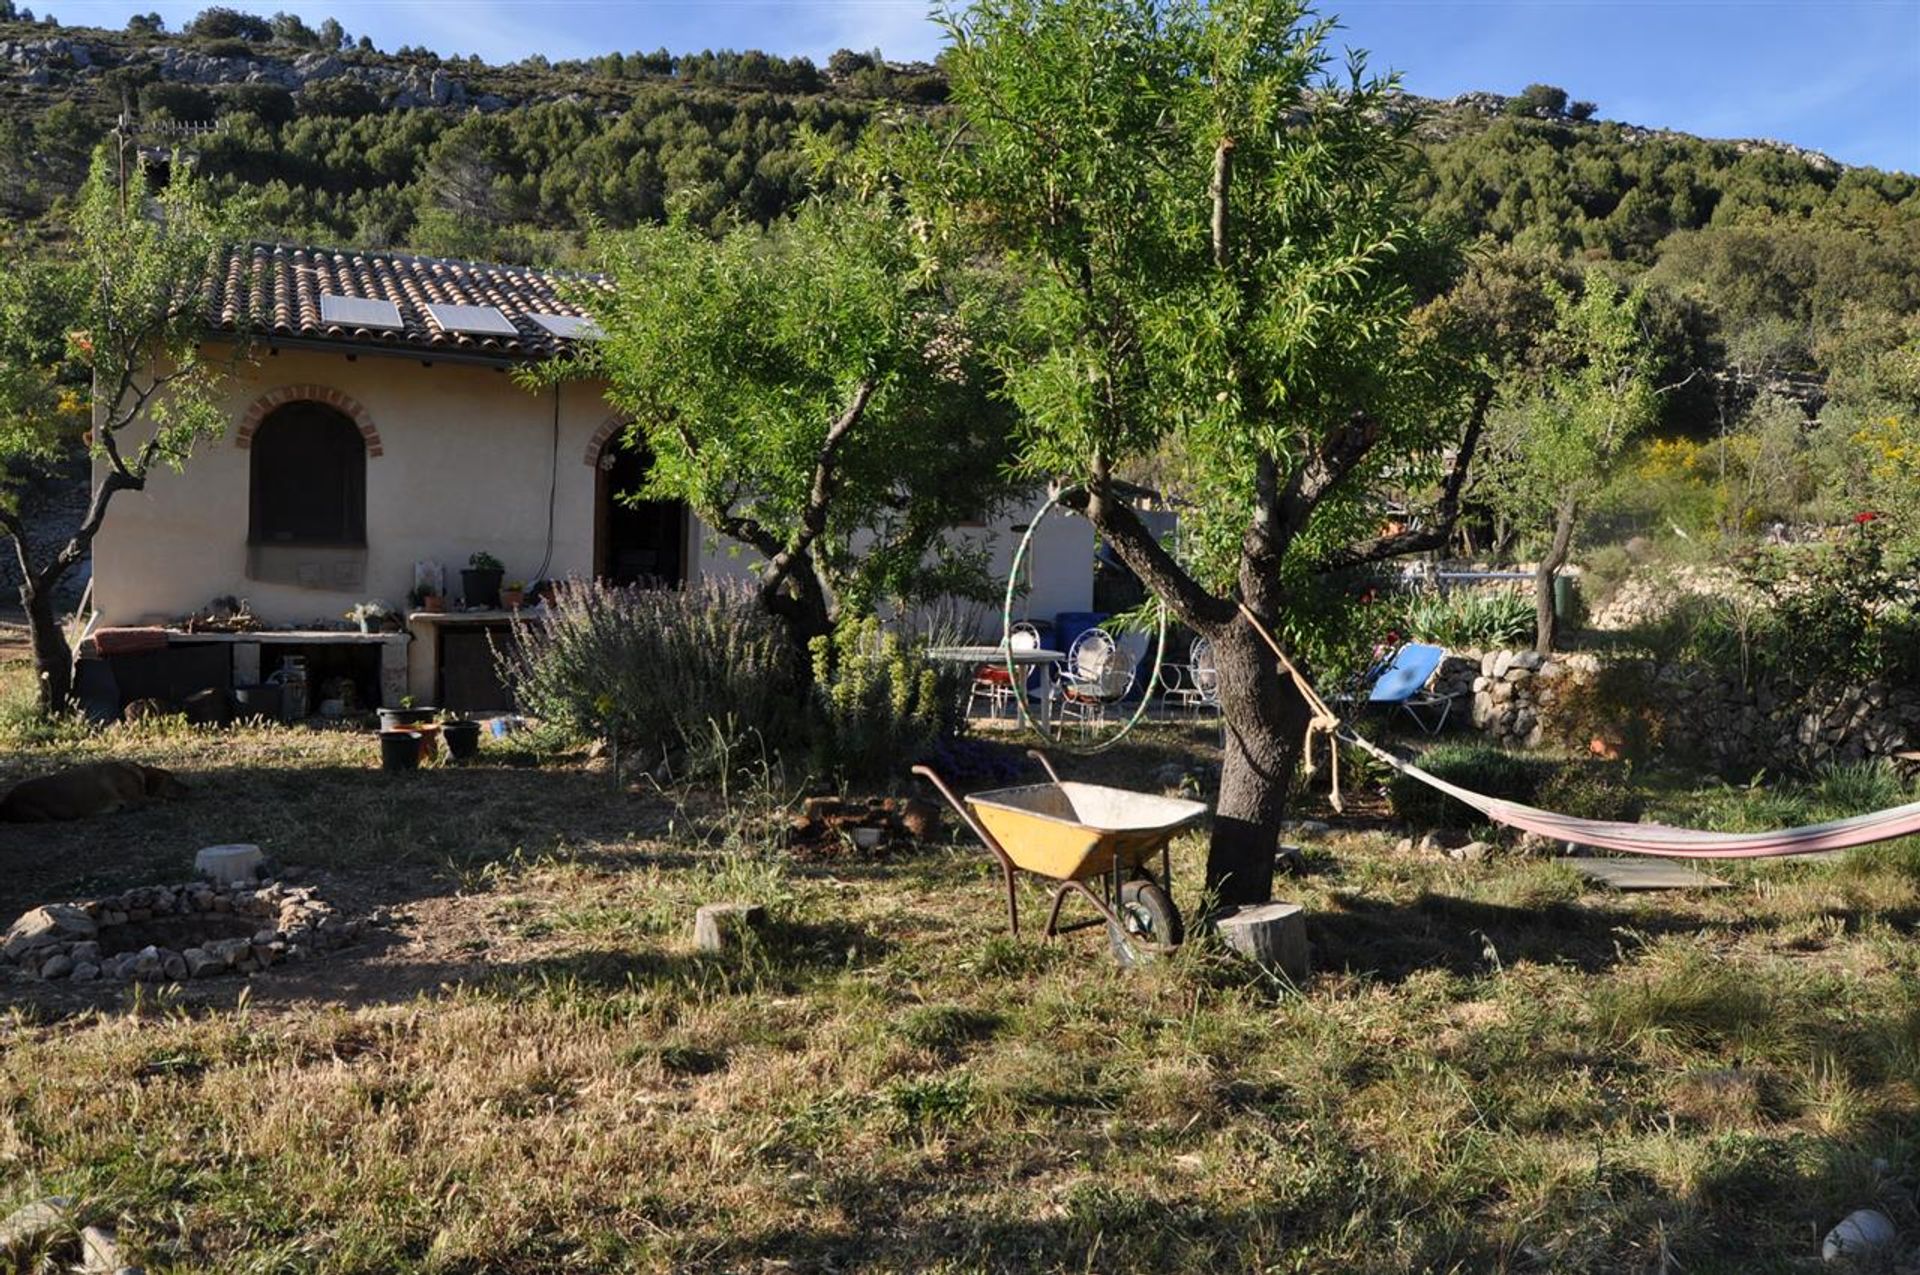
<point x="1041" y="657"/>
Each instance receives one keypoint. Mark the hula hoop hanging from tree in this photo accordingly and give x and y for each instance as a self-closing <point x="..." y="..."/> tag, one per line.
<point x="1054" y="737"/>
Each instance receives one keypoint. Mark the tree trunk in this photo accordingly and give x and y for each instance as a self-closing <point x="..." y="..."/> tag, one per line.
<point x="802" y="602"/>
<point x="52" y="657"/>
<point x="1546" y="624"/>
<point x="1266" y="720"/>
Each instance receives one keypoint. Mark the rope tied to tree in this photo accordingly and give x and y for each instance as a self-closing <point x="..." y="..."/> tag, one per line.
<point x="1323" y="722"/>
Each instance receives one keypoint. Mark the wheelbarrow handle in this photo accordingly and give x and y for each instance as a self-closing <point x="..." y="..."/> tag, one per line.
<point x="1045" y="764"/>
<point x="998" y="851"/>
<point x="932" y="776"/>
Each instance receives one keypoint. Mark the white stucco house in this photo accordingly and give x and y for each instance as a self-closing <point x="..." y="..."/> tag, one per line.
<point x="374" y="427"/>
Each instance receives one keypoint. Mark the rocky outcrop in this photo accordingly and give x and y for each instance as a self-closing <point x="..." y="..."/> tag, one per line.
<point x="399" y="87"/>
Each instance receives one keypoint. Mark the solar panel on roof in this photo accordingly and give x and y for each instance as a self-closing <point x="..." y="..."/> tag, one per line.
<point x="475" y="320"/>
<point x="568" y="327"/>
<point x="360" y="312"/>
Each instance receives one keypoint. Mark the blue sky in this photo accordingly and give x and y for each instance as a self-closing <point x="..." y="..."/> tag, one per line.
<point x="1840" y="76"/>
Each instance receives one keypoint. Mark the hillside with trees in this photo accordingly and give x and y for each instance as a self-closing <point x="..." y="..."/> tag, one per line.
<point x="1776" y="282"/>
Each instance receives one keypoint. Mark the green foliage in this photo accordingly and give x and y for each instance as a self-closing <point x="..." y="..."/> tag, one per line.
<point x="1543" y="101"/>
<point x="1474" y="619"/>
<point x="879" y="707"/>
<point x="1590" y="790"/>
<point x="1846" y="612"/>
<point x="339" y="98"/>
<point x="1857" y="787"/>
<point x="221" y="23"/>
<point x="805" y="385"/>
<point x="659" y="671"/>
<point x="1582" y="396"/>
<point x="1091" y="139"/>
<point x="1479" y="767"/>
<point x="182" y="102"/>
<point x="102" y="341"/>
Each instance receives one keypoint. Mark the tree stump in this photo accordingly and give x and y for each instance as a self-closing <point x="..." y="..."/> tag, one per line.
<point x="1271" y="935"/>
<point x="720" y="927"/>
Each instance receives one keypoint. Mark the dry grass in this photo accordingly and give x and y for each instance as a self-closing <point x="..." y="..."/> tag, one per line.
<point x="532" y="1071"/>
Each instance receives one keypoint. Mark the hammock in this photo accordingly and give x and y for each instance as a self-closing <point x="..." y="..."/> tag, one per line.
<point x="1606" y="834"/>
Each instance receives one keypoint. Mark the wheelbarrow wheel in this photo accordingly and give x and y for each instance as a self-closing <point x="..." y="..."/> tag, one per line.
<point x="1147" y="917"/>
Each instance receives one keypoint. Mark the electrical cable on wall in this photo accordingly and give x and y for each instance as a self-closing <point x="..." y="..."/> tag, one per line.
<point x="553" y="486"/>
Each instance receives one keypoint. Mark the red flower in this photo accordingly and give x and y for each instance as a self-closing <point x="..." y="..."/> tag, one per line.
<point x="1864" y="517"/>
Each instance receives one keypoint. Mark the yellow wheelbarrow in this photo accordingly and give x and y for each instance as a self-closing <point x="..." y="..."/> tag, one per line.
<point x="1079" y="833"/>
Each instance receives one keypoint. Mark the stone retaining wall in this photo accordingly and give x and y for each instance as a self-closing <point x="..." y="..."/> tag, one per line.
<point x="1520" y="700"/>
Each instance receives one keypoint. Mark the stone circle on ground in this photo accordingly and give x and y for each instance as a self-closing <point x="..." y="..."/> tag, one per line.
<point x="170" y="933"/>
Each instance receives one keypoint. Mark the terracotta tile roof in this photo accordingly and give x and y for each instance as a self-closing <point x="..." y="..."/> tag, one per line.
<point x="274" y="291"/>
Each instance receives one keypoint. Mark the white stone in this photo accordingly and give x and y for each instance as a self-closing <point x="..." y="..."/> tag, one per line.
<point x="45" y="926"/>
<point x="1861" y="1233"/>
<point x="27" y="1225"/>
<point x="99" y="1250"/>
<point x="719" y="926"/>
<point x="229" y="864"/>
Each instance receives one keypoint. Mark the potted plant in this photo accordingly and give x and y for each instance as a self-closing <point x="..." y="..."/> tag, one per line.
<point x="512" y="594"/>
<point x="480" y="582"/>
<point x="408" y="714"/>
<point x="424" y="598"/>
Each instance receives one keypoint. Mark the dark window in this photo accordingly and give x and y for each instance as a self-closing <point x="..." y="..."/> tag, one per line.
<point x="309" y="478"/>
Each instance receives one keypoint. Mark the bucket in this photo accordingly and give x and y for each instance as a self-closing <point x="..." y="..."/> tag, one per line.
<point x="399" y="750"/>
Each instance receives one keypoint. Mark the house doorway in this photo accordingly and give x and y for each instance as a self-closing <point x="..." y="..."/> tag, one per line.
<point x="636" y="542"/>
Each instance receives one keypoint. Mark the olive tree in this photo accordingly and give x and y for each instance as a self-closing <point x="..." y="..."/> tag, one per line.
<point x="816" y="392"/>
<point x="101" y="347"/>
<point x="1218" y="266"/>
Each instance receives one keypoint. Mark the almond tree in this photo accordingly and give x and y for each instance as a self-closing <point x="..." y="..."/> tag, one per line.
<point x="101" y="347"/>
<point x="1219" y="265"/>
<point x="1565" y="420"/>
<point x="815" y="391"/>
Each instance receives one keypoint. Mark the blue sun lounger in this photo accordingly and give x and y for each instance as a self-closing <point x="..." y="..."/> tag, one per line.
<point x="1404" y="682"/>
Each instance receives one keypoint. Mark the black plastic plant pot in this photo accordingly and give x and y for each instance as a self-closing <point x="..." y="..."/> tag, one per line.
<point x="399" y="750"/>
<point x="463" y="739"/>
<point x="395" y="718"/>
<point x="481" y="588"/>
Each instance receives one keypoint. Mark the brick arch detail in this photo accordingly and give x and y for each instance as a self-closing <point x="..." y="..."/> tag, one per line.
<point x="266" y="403"/>
<point x="598" y="455"/>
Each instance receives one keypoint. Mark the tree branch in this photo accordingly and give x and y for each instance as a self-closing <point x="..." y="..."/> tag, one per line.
<point x="1145" y="556"/>
<point x="1218" y="191"/>
<point x="1338" y="455"/>
<point x="1446" y="510"/>
<point x="826" y="476"/>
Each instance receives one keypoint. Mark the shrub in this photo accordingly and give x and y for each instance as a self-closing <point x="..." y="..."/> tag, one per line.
<point x="671" y="673"/>
<point x="1483" y="619"/>
<point x="1588" y="790"/>
<point x="878" y="707"/>
<point x="222" y="23"/>
<point x="1480" y="767"/>
<point x="1622" y="705"/>
<point x="347" y="99"/>
<point x="180" y="102"/>
<point x="1859" y="787"/>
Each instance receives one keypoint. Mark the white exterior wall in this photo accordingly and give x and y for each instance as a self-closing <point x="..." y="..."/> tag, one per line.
<point x="465" y="458"/>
